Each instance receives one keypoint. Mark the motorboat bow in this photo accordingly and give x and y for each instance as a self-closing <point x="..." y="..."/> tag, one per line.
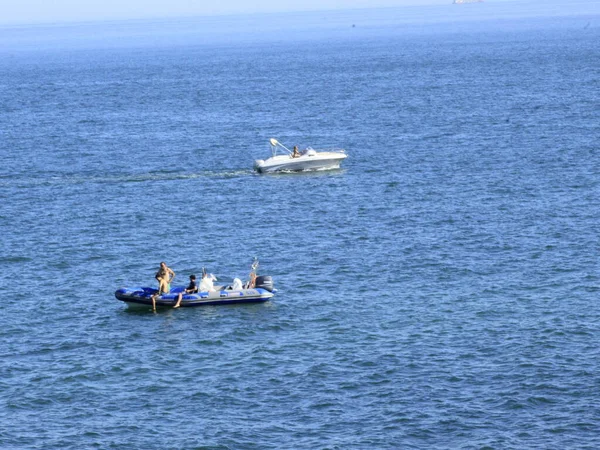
<point x="306" y="160"/>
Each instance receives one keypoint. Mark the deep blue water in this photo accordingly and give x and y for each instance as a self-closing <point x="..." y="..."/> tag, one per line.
<point x="440" y="291"/>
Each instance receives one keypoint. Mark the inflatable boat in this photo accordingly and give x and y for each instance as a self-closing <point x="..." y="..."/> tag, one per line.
<point x="262" y="291"/>
<point x="256" y="289"/>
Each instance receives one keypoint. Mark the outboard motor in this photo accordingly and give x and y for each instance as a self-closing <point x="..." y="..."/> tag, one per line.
<point x="265" y="282"/>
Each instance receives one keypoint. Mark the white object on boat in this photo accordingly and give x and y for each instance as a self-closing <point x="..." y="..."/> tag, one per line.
<point x="309" y="159"/>
<point x="237" y="284"/>
<point x="207" y="285"/>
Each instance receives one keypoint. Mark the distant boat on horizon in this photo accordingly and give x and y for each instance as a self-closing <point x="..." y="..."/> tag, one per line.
<point x="460" y="2"/>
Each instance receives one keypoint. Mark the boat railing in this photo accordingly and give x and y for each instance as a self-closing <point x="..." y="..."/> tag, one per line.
<point x="276" y="145"/>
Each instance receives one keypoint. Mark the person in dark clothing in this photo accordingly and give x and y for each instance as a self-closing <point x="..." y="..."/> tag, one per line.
<point x="191" y="289"/>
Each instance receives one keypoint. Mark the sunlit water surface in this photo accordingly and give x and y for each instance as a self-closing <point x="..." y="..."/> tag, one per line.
<point x="439" y="291"/>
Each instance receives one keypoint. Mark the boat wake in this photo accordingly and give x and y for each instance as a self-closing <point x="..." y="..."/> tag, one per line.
<point x="67" y="179"/>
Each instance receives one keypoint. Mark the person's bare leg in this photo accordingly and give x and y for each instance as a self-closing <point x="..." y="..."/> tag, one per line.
<point x="178" y="304"/>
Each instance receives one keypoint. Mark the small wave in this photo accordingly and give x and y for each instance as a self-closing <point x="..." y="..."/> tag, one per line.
<point x="17" y="259"/>
<point x="539" y="400"/>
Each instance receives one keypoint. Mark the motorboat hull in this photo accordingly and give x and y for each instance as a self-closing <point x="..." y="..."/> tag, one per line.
<point x="143" y="296"/>
<point x="307" y="162"/>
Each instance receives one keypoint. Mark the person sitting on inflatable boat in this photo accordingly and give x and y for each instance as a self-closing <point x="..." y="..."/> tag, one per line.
<point x="191" y="289"/>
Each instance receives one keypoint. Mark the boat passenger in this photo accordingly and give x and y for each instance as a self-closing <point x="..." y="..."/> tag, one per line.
<point x="251" y="283"/>
<point x="191" y="289"/>
<point x="296" y="153"/>
<point x="164" y="276"/>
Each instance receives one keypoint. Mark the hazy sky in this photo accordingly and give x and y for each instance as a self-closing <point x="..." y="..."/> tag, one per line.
<point x="27" y="11"/>
<point x="40" y="11"/>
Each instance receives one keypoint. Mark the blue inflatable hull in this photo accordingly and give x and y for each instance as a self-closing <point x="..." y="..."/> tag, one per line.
<point x="143" y="296"/>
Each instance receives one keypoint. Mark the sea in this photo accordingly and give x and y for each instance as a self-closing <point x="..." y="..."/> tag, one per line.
<point x="440" y="290"/>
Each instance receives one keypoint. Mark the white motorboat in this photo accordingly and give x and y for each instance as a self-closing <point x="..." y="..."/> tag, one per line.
<point x="297" y="161"/>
